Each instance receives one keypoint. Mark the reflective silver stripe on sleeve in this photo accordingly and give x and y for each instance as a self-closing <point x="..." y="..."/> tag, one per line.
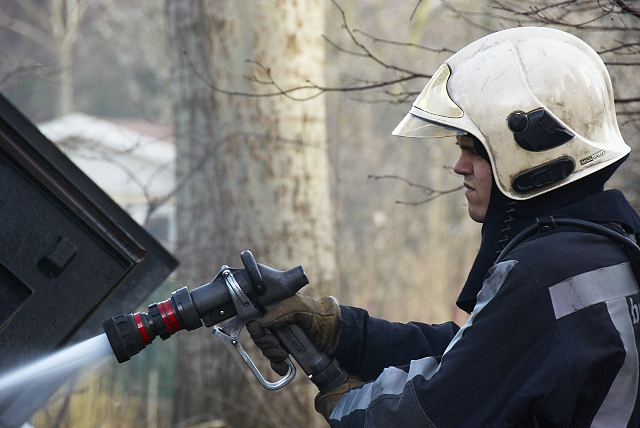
<point x="393" y="380"/>
<point x="619" y="403"/>
<point x="358" y="399"/>
<point x="592" y="287"/>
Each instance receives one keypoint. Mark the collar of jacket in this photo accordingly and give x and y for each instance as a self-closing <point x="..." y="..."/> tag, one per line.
<point x="583" y="199"/>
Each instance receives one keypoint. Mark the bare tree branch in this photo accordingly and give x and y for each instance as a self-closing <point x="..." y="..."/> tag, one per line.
<point x="430" y="192"/>
<point x="35" y="68"/>
<point x="621" y="47"/>
<point x="404" y="44"/>
<point x="627" y="100"/>
<point x="560" y="13"/>
<point x="362" y="51"/>
<point x="615" y="19"/>
<point x="624" y="5"/>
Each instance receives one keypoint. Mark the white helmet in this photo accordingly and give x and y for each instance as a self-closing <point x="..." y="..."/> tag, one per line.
<point x="540" y="101"/>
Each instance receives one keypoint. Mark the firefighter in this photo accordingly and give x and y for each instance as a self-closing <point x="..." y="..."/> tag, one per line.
<point x="553" y="334"/>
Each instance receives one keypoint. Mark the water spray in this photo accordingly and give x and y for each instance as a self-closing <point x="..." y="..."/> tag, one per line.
<point x="36" y="380"/>
<point x="242" y="294"/>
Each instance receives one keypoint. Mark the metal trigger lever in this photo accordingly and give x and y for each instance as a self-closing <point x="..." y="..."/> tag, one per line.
<point x="230" y="332"/>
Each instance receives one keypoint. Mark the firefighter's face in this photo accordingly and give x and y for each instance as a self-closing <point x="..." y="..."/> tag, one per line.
<point x="477" y="178"/>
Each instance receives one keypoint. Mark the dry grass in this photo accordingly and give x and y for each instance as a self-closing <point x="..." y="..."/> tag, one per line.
<point x="109" y="398"/>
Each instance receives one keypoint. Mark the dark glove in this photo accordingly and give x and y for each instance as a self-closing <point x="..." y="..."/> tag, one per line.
<point x="321" y="319"/>
<point x="270" y="347"/>
<point x="325" y="403"/>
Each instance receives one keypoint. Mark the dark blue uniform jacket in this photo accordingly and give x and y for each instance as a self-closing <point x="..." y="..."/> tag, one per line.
<point x="553" y="341"/>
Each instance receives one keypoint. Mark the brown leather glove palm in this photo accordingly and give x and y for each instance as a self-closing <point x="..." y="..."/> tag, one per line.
<point x="321" y="319"/>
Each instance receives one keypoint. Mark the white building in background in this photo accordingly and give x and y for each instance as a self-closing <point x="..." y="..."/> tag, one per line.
<point x="132" y="161"/>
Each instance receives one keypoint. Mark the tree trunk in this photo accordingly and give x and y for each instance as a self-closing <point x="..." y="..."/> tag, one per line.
<point x="256" y="177"/>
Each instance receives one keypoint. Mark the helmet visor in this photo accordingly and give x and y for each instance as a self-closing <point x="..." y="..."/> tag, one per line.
<point x="416" y="127"/>
<point x="434" y="100"/>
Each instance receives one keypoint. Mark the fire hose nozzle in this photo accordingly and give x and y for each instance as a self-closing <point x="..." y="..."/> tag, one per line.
<point x="241" y="294"/>
<point x="129" y="334"/>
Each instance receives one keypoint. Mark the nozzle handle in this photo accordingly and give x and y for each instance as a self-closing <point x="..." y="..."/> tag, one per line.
<point x="230" y="332"/>
<point x="324" y="371"/>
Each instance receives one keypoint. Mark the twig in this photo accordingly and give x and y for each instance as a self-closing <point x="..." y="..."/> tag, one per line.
<point x="429" y="191"/>
<point x="362" y="51"/>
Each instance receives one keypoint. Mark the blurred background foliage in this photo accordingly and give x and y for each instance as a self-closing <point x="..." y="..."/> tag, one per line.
<point x="402" y="253"/>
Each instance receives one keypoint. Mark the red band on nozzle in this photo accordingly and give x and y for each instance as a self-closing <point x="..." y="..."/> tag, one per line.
<point x="141" y="329"/>
<point x="169" y="317"/>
